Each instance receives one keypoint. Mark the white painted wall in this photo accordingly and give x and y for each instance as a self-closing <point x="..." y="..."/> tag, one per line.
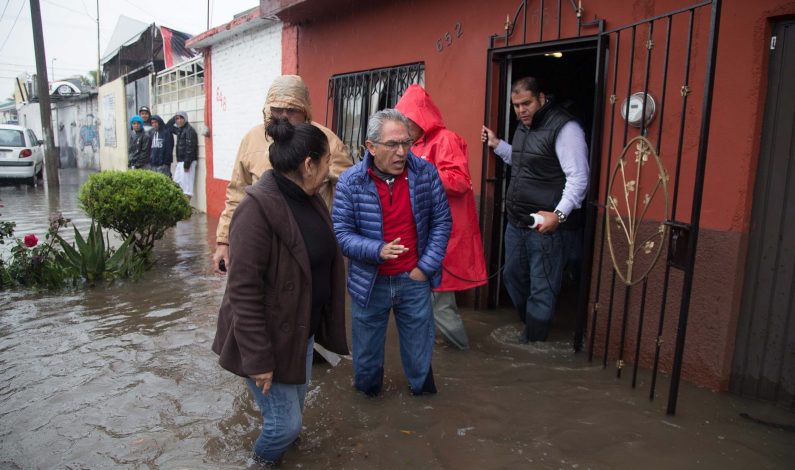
<point x="113" y="131"/>
<point x="243" y="68"/>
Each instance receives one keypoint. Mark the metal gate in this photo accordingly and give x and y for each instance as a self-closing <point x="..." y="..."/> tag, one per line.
<point x="654" y="83"/>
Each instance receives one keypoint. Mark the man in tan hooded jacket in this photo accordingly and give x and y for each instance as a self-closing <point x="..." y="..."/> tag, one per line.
<point x="287" y="97"/>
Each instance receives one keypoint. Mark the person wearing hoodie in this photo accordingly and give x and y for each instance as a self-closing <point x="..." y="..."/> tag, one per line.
<point x="139" y="145"/>
<point x="187" y="151"/>
<point x="287" y="97"/>
<point x="162" y="146"/>
<point x="464" y="266"/>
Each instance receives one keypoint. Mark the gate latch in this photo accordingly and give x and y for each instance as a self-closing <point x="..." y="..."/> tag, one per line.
<point x="678" y="244"/>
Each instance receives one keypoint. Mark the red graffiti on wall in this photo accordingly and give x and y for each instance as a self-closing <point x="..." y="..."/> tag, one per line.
<point x="220" y="98"/>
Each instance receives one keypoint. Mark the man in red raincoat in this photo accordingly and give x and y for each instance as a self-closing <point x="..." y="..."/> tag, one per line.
<point x="464" y="266"/>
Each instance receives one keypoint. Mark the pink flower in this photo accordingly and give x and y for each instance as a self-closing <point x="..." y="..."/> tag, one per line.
<point x="31" y="240"/>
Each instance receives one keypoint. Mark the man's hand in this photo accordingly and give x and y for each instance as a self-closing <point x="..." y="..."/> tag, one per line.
<point x="486" y="135"/>
<point x="221" y="253"/>
<point x="392" y="250"/>
<point x="263" y="381"/>
<point x="550" y="223"/>
<point x="186" y="165"/>
<point x="418" y="275"/>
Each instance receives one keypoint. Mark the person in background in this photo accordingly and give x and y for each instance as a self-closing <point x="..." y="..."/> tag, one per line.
<point x="286" y="286"/>
<point x="162" y="146"/>
<point x="146" y="115"/>
<point x="392" y="221"/>
<point x="464" y="266"/>
<point x="287" y="97"/>
<point x="139" y="145"/>
<point x="187" y="152"/>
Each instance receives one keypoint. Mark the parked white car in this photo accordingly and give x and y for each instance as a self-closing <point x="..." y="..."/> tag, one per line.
<point x="21" y="154"/>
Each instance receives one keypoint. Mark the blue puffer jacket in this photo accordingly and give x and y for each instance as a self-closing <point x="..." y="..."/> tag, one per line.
<point x="358" y="223"/>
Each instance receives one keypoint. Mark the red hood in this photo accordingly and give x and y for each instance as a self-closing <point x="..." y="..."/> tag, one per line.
<point x="417" y="105"/>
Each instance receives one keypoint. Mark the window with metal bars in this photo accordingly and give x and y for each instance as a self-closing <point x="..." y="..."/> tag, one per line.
<point x="353" y="97"/>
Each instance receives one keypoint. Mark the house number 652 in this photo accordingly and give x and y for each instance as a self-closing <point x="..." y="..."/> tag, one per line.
<point x="447" y="39"/>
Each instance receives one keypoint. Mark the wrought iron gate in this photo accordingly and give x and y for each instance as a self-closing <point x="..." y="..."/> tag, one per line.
<point x="654" y="83"/>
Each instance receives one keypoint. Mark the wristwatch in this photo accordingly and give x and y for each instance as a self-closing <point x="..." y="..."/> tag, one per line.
<point x="561" y="216"/>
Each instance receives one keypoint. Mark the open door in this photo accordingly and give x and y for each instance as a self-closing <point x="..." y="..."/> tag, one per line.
<point x="642" y="210"/>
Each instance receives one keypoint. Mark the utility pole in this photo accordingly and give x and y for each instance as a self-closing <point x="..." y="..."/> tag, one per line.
<point x="52" y="68"/>
<point x="50" y="158"/>
<point x="98" y="58"/>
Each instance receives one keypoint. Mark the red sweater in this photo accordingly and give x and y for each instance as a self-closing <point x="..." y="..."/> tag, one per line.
<point x="398" y="222"/>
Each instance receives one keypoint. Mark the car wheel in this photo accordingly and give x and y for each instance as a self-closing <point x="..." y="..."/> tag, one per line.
<point x="34" y="180"/>
<point x="40" y="173"/>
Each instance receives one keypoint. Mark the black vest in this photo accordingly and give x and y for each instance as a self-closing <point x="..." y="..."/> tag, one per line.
<point x="537" y="179"/>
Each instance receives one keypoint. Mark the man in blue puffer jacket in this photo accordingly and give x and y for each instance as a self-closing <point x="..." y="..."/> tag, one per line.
<point x="393" y="222"/>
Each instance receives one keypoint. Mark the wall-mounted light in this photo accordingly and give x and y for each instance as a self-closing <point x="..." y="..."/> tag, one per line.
<point x="556" y="55"/>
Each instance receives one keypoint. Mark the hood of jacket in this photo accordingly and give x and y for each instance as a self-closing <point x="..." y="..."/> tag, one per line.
<point x="137" y="119"/>
<point x="161" y="126"/>
<point x="417" y="105"/>
<point x="287" y="91"/>
<point x="184" y="116"/>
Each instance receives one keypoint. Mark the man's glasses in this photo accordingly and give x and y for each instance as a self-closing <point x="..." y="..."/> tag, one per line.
<point x="393" y="145"/>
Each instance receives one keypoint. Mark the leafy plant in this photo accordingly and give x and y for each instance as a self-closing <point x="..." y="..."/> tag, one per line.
<point x="139" y="204"/>
<point x="33" y="263"/>
<point x="93" y="260"/>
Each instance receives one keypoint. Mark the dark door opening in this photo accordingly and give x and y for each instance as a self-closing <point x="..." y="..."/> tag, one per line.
<point x="568" y="72"/>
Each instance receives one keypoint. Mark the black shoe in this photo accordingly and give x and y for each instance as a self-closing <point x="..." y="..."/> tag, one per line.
<point x="534" y="330"/>
<point x="429" y="386"/>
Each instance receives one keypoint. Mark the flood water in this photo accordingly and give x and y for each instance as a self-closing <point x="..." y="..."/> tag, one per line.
<point x="122" y="376"/>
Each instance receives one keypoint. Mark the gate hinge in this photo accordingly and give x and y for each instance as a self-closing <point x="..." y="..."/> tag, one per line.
<point x="659" y="341"/>
<point x="620" y="364"/>
<point x="612" y="99"/>
<point x="772" y="43"/>
<point x="649" y="44"/>
<point x="685" y="90"/>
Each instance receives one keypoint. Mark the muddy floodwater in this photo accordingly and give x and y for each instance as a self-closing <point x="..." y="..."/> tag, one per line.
<point x="123" y="377"/>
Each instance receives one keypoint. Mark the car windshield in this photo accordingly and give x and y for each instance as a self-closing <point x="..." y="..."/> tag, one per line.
<point x="11" y="138"/>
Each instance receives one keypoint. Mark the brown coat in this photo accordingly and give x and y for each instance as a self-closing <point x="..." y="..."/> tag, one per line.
<point x="263" y="323"/>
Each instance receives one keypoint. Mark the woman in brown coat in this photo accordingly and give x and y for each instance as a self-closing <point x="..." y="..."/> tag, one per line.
<point x="286" y="284"/>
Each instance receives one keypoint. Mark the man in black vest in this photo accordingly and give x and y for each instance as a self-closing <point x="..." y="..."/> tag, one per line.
<point x="549" y="176"/>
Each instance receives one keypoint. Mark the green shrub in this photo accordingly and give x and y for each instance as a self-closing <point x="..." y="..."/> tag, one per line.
<point x="141" y="204"/>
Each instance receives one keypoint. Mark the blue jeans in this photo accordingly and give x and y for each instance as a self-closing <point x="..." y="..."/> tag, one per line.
<point x="411" y="302"/>
<point x="282" y="413"/>
<point x="533" y="270"/>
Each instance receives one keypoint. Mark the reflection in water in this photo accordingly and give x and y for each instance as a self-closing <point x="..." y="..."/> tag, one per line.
<point x="123" y="376"/>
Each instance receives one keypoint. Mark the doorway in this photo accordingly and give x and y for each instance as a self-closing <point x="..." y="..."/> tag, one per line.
<point x="568" y="72"/>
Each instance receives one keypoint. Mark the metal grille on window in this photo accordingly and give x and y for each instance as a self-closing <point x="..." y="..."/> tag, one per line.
<point x="355" y="96"/>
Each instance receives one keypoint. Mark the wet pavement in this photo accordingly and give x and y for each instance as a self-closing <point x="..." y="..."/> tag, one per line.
<point x="123" y="377"/>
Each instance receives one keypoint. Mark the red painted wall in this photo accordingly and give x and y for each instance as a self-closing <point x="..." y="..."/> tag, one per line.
<point x="382" y="34"/>
<point x="216" y="189"/>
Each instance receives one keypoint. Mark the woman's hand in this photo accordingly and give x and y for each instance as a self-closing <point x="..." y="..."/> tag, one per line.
<point x="263" y="381"/>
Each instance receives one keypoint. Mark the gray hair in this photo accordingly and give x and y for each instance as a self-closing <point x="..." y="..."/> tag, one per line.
<point x="376" y="122"/>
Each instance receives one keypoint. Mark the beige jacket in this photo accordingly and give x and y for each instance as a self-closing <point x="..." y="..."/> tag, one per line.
<point x="287" y="91"/>
<point x="252" y="161"/>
